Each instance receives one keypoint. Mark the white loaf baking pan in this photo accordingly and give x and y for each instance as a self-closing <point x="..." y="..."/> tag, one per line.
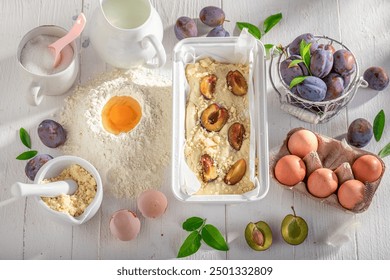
<point x="243" y="49"/>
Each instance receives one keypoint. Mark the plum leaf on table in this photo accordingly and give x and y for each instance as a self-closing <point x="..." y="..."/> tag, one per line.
<point x="200" y="231"/>
<point x="379" y="125"/>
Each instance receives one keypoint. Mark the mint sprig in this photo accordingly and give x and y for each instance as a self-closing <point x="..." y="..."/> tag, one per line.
<point x="200" y="231"/>
<point x="26" y="140"/>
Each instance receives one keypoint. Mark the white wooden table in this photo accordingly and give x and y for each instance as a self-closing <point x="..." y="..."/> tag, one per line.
<point x="364" y="27"/>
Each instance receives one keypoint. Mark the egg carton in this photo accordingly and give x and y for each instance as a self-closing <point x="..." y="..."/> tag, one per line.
<point x="332" y="154"/>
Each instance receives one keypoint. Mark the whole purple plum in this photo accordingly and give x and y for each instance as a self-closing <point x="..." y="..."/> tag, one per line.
<point x="376" y="78"/>
<point x="312" y="89"/>
<point x="289" y="73"/>
<point x="359" y="133"/>
<point x="308" y="38"/>
<point x="327" y="47"/>
<point x="51" y="133"/>
<point x="321" y="63"/>
<point x="218" y="31"/>
<point x="212" y="16"/>
<point x="335" y="86"/>
<point x="343" y="62"/>
<point x="185" y="27"/>
<point x="34" y="164"/>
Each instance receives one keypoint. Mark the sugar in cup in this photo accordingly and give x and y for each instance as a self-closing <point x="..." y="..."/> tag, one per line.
<point x="36" y="61"/>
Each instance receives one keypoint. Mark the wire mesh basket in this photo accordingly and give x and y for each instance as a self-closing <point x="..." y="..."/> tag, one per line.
<point x="310" y="111"/>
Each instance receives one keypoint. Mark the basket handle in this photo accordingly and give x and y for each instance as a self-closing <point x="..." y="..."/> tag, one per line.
<point x="300" y="113"/>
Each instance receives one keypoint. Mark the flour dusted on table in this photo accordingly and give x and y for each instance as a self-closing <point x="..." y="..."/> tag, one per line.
<point x="129" y="162"/>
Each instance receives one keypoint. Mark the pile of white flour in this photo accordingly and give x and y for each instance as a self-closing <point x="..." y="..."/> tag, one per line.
<point x="130" y="162"/>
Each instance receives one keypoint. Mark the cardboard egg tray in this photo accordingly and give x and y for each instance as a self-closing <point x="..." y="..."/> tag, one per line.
<point x="332" y="154"/>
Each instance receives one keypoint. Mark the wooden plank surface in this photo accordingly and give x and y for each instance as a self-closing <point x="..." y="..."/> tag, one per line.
<point x="28" y="234"/>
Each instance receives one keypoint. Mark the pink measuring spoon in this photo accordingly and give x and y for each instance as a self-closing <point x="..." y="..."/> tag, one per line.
<point x="58" y="45"/>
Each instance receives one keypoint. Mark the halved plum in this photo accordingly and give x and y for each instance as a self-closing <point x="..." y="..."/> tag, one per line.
<point x="236" y="135"/>
<point x="207" y="86"/>
<point x="236" y="83"/>
<point x="236" y="172"/>
<point x="209" y="170"/>
<point x="214" y="117"/>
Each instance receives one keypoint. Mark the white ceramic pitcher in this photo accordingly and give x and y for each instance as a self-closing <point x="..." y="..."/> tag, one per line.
<point x="128" y="33"/>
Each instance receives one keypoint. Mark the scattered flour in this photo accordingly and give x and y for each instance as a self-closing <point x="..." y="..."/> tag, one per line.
<point x="130" y="162"/>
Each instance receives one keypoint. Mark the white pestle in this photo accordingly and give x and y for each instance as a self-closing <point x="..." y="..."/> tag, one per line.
<point x="53" y="189"/>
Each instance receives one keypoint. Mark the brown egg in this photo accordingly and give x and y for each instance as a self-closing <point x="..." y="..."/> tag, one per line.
<point x="302" y="142"/>
<point x="322" y="182"/>
<point x="290" y="170"/>
<point x="351" y="194"/>
<point x="367" y="168"/>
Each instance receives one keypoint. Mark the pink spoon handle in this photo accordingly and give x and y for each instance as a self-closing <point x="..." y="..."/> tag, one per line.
<point x="72" y="34"/>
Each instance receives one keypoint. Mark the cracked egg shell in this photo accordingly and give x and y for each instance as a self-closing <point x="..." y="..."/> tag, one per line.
<point x="302" y="142"/>
<point x="322" y="182"/>
<point x="125" y="225"/>
<point x="290" y="170"/>
<point x="152" y="204"/>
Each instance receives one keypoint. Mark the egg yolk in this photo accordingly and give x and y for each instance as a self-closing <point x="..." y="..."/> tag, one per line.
<point x="121" y="114"/>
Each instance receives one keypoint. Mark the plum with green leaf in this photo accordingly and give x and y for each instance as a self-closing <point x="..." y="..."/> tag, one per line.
<point x="294" y="47"/>
<point x="312" y="89"/>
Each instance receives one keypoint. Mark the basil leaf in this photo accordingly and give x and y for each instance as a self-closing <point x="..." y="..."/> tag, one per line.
<point x="271" y="21"/>
<point x="385" y="151"/>
<point x="191" y="245"/>
<point x="212" y="237"/>
<point x="254" y="30"/>
<point x="25" y="137"/>
<point x="379" y="125"/>
<point x="27" y="155"/>
<point x="193" y="223"/>
<point x="295" y="62"/>
<point x="297" y="80"/>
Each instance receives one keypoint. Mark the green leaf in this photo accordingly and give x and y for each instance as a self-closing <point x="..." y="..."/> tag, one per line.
<point x="25" y="137"/>
<point x="306" y="56"/>
<point x="302" y="46"/>
<point x="254" y="30"/>
<point x="27" y="155"/>
<point x="191" y="245"/>
<point x="295" y="62"/>
<point x="379" y="125"/>
<point x="297" y="80"/>
<point x="385" y="151"/>
<point x="271" y="21"/>
<point x="268" y="48"/>
<point x="212" y="237"/>
<point x="193" y="223"/>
